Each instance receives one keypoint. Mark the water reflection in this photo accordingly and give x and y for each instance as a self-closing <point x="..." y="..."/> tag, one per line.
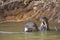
<point x="36" y="35"/>
<point x="45" y="35"/>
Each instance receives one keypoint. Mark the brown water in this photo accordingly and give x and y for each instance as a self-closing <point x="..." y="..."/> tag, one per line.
<point x="51" y="35"/>
<point x="18" y="27"/>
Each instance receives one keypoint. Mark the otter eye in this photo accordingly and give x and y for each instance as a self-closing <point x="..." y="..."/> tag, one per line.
<point x="43" y="23"/>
